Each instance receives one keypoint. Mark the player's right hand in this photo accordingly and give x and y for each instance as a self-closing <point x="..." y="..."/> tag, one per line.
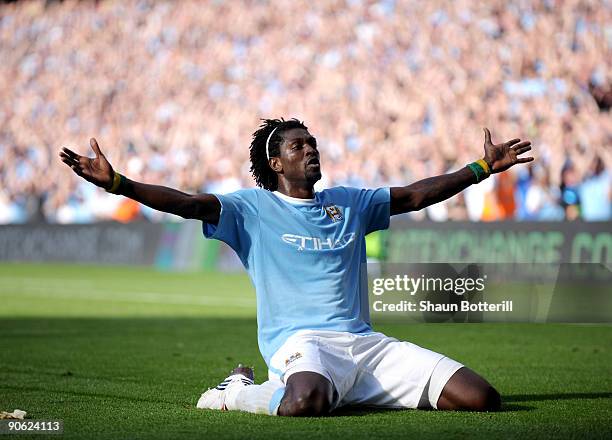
<point x="97" y="171"/>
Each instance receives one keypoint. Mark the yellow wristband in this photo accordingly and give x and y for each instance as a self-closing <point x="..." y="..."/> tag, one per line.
<point x="484" y="165"/>
<point x="116" y="182"/>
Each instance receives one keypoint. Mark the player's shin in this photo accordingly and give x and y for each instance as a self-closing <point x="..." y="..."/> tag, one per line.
<point x="258" y="399"/>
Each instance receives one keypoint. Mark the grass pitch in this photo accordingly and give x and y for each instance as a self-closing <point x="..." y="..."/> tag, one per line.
<point x="125" y="353"/>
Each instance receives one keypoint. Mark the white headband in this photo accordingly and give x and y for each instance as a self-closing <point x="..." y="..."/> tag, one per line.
<point x="268" y="143"/>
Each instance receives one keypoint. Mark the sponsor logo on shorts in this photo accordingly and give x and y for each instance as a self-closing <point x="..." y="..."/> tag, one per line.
<point x="292" y="358"/>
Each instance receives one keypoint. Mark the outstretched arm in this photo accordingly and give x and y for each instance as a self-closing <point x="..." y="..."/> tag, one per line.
<point x="426" y="192"/>
<point x="99" y="171"/>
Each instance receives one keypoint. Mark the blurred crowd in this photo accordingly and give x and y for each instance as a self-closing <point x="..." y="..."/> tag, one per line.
<point x="394" y="91"/>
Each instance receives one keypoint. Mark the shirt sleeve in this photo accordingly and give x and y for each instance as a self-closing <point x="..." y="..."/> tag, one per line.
<point x="237" y="222"/>
<point x="374" y="206"/>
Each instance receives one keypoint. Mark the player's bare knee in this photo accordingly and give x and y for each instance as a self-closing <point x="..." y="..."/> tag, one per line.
<point x="309" y="403"/>
<point x="487" y="399"/>
<point x="313" y="404"/>
<point x="493" y="400"/>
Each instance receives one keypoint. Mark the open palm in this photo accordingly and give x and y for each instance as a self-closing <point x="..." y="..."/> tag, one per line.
<point x="500" y="157"/>
<point x="97" y="170"/>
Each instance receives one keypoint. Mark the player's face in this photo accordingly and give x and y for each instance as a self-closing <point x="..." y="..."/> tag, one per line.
<point x="299" y="156"/>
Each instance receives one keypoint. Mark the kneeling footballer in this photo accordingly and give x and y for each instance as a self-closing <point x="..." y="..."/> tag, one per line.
<point x="305" y="252"/>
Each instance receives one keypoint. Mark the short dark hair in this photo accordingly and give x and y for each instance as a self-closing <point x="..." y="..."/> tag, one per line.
<point x="264" y="176"/>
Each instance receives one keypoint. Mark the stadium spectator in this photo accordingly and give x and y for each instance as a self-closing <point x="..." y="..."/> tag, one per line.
<point x="570" y="197"/>
<point x="595" y="193"/>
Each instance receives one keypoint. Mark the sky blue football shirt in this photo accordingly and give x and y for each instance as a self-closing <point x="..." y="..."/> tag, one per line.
<point x="305" y="257"/>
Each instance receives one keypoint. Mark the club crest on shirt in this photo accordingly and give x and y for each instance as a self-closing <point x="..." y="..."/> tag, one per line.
<point x="292" y="358"/>
<point x="334" y="213"/>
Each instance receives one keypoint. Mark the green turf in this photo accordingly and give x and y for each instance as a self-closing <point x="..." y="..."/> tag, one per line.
<point x="124" y="353"/>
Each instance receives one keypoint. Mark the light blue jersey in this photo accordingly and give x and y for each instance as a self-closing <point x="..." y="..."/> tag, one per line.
<point x="306" y="258"/>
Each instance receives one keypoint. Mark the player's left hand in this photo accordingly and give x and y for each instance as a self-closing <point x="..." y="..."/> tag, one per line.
<point x="500" y="157"/>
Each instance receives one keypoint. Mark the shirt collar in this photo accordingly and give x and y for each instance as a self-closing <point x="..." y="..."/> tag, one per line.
<point x="294" y="200"/>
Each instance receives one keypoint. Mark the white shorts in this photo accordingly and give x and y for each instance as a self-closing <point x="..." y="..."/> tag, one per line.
<point x="371" y="370"/>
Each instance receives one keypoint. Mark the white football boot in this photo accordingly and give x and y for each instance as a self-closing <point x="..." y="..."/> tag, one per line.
<point x="214" y="398"/>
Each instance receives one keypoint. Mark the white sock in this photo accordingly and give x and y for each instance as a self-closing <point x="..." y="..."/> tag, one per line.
<point x="258" y="399"/>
